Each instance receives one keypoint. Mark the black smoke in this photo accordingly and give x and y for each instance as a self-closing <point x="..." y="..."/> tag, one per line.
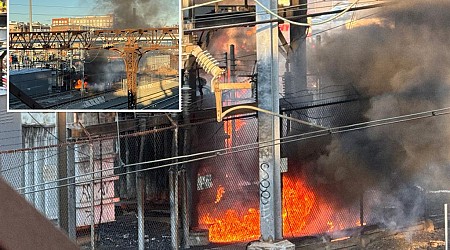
<point x="132" y="14"/>
<point x="400" y="66"/>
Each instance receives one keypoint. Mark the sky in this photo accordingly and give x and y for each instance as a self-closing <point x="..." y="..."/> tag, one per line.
<point x="45" y="10"/>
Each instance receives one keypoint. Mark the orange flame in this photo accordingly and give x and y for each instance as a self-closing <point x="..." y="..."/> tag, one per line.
<point x="330" y="226"/>
<point x="298" y="201"/>
<point x="79" y="83"/>
<point x="220" y="192"/>
<point x="232" y="227"/>
<point x="228" y="129"/>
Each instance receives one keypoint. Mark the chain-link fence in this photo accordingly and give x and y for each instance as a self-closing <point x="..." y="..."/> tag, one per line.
<point x="119" y="194"/>
<point x="85" y="188"/>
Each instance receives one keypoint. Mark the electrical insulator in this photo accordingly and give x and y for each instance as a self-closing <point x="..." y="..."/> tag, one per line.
<point x="185" y="98"/>
<point x="207" y="62"/>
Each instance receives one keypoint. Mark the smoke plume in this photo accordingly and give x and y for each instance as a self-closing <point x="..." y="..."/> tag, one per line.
<point x="142" y="13"/>
<point x="401" y="67"/>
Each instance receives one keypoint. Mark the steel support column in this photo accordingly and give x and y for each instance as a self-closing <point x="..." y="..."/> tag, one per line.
<point x="269" y="126"/>
<point x="131" y="56"/>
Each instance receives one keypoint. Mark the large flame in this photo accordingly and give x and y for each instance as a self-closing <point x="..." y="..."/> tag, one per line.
<point x="220" y="192"/>
<point x="298" y="201"/>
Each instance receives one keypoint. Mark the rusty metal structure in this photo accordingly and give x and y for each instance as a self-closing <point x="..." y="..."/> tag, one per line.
<point x="131" y="44"/>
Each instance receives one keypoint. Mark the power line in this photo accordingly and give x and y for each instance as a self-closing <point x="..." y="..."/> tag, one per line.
<point x="307" y="24"/>
<point x="280" y="20"/>
<point x="253" y="13"/>
<point x="256" y="145"/>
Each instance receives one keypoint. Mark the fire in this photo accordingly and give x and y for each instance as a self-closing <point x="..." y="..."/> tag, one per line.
<point x="298" y="200"/>
<point x="79" y="84"/>
<point x="220" y="192"/>
<point x="228" y="129"/>
<point x="232" y="227"/>
<point x="330" y="225"/>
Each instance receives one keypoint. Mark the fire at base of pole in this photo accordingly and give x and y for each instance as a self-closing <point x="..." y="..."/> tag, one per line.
<point x="280" y="245"/>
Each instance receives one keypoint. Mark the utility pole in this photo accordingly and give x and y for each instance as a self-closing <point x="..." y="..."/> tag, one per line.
<point x="31" y="15"/>
<point x="268" y="125"/>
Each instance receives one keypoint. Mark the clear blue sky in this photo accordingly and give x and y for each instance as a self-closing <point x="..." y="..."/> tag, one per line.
<point x="45" y="10"/>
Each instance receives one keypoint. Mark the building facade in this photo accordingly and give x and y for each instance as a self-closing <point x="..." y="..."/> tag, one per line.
<point x="15" y="26"/>
<point x="83" y="23"/>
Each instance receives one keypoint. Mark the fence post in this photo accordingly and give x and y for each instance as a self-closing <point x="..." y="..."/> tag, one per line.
<point x="71" y="204"/>
<point x="184" y="208"/>
<point x="173" y="185"/>
<point x="91" y="163"/>
<point x="140" y="187"/>
<point x="446" y="225"/>
<point x="62" y="174"/>
<point x="361" y="209"/>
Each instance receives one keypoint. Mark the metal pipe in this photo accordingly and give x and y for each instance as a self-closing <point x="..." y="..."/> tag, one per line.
<point x="232" y="64"/>
<point x="173" y="182"/>
<point x="185" y="187"/>
<point x="446" y="225"/>
<point x="71" y="196"/>
<point x="184" y="208"/>
<point x="140" y="185"/>
<point x="29" y="171"/>
<point x="173" y="207"/>
<point x="39" y="197"/>
<point x="361" y="209"/>
<point x="91" y="162"/>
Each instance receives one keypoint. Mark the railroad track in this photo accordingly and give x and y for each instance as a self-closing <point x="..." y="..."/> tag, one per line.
<point x="62" y="99"/>
<point x="72" y="99"/>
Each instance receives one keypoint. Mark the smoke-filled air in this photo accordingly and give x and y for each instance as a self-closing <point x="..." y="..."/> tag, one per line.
<point x="142" y="13"/>
<point x="400" y="66"/>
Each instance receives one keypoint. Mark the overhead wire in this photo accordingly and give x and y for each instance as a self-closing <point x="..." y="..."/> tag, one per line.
<point x="56" y="137"/>
<point x="253" y="13"/>
<point x="307" y="24"/>
<point x="212" y="19"/>
<point x="256" y="145"/>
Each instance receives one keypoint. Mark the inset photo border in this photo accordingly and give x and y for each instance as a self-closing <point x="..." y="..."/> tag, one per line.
<point x="94" y="56"/>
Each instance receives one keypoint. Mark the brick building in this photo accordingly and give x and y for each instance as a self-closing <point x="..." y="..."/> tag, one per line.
<point x="83" y="23"/>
